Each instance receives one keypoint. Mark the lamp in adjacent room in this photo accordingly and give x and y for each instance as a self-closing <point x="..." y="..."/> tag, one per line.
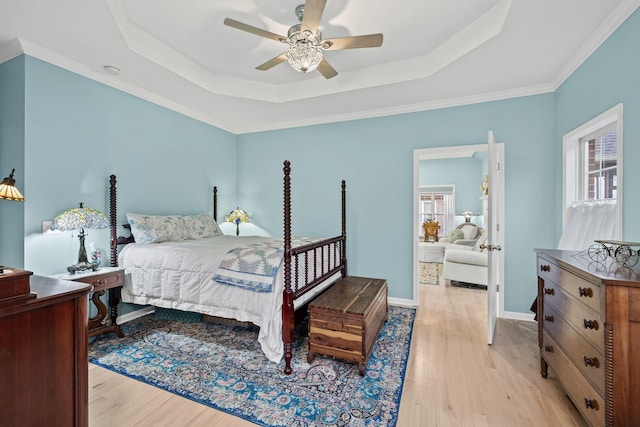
<point x="79" y="219"/>
<point x="8" y="190"/>
<point x="237" y="216"/>
<point x="468" y="215"/>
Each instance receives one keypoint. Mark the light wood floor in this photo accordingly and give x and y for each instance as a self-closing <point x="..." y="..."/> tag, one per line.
<point x="453" y="377"/>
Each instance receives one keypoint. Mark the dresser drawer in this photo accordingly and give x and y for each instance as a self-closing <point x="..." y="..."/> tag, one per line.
<point x="584" y="291"/>
<point x="587" y="358"/>
<point x="588" y="322"/>
<point x="588" y="401"/>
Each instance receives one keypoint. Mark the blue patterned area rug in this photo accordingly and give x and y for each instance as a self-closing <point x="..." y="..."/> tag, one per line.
<point x="222" y="366"/>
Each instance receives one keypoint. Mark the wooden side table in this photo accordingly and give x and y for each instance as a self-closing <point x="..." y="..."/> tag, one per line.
<point x="430" y="230"/>
<point x="104" y="279"/>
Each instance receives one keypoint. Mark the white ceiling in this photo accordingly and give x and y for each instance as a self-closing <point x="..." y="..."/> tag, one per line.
<point x="436" y="53"/>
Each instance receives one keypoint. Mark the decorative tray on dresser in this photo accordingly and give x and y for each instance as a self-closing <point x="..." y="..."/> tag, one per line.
<point x="589" y="333"/>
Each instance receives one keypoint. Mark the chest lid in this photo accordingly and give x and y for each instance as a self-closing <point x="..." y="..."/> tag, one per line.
<point x="351" y="294"/>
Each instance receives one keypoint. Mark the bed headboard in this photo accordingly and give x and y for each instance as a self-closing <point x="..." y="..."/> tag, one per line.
<point x="113" y="221"/>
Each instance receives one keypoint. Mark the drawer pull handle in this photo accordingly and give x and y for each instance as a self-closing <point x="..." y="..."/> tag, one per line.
<point x="590" y="324"/>
<point x="545" y="268"/>
<point x="548" y="348"/>
<point x="99" y="282"/>
<point x="591" y="404"/>
<point x="591" y="361"/>
<point x="548" y="318"/>
<point x="549" y="291"/>
<point x="586" y="292"/>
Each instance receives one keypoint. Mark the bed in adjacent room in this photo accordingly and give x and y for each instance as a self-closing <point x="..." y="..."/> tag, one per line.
<point x="185" y="262"/>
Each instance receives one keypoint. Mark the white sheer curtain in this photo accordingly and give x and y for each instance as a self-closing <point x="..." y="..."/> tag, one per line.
<point x="449" y="215"/>
<point x="588" y="221"/>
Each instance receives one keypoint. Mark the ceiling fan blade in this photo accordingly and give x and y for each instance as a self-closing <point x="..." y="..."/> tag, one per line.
<point x="312" y="13"/>
<point x="355" y="42"/>
<point x="326" y="70"/>
<point x="253" y="30"/>
<point x="272" y="62"/>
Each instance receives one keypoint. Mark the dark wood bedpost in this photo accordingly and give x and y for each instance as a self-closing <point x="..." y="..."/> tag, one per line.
<point x="343" y="252"/>
<point x="112" y="221"/>
<point x="288" y="312"/>
<point x="215" y="204"/>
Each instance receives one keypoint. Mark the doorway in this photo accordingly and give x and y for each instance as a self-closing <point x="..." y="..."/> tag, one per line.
<point x="455" y="152"/>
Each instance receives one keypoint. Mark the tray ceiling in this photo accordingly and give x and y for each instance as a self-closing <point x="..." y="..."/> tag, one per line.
<point x="436" y="53"/>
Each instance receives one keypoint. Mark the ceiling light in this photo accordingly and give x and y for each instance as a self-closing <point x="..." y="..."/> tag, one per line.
<point x="305" y="51"/>
<point x="110" y="69"/>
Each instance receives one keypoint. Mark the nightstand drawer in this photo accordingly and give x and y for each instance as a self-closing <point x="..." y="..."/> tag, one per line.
<point x="104" y="281"/>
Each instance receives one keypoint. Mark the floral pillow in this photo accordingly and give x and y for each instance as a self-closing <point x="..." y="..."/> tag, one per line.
<point x="200" y="226"/>
<point x="155" y="229"/>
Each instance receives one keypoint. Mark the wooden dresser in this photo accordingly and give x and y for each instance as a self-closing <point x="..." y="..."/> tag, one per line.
<point x="43" y="355"/>
<point x="589" y="333"/>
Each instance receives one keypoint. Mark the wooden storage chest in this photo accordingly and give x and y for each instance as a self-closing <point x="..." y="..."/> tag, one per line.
<point x="345" y="320"/>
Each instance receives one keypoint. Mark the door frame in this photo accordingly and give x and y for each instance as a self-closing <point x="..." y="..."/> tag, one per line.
<point x="448" y="153"/>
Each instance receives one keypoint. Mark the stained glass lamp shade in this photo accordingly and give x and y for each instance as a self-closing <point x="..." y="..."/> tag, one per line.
<point x="79" y="219"/>
<point x="237" y="216"/>
<point x="8" y="190"/>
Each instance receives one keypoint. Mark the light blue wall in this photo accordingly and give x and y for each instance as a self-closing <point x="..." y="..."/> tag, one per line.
<point x="80" y="131"/>
<point x="464" y="173"/>
<point x="375" y="156"/>
<point x="12" y="157"/>
<point x="610" y="76"/>
<point x="74" y="132"/>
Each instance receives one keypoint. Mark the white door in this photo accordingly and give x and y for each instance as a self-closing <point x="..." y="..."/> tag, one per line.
<point x="494" y="230"/>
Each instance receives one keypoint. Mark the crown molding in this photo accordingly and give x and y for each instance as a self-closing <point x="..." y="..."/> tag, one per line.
<point x="620" y="14"/>
<point x="10" y="50"/>
<point x="401" y="109"/>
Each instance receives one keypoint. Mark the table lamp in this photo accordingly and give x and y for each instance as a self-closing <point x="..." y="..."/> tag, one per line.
<point x="468" y="215"/>
<point x="79" y="219"/>
<point x="237" y="216"/>
<point x="8" y="191"/>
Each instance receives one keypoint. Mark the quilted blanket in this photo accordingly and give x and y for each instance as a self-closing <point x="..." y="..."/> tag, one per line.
<point x="254" y="267"/>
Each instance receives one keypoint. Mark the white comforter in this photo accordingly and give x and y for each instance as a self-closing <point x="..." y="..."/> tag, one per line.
<point x="179" y="275"/>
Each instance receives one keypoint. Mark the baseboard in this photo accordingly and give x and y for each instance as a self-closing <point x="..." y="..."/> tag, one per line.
<point x="402" y="302"/>
<point x="515" y="315"/>
<point x="135" y="314"/>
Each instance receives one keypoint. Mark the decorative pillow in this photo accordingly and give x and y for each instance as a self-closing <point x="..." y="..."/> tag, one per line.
<point x="155" y="229"/>
<point x="200" y="226"/>
<point x="455" y="235"/>
<point x="469" y="231"/>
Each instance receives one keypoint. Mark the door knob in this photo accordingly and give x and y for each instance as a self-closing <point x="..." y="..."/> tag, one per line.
<point x="491" y="247"/>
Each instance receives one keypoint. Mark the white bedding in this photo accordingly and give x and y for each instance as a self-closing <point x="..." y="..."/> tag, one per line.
<point x="179" y="275"/>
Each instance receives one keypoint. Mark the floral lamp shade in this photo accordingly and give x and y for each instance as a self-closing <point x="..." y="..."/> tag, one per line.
<point x="8" y="190"/>
<point x="78" y="219"/>
<point x="237" y="216"/>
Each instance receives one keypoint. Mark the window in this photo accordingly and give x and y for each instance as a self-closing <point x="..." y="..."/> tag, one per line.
<point x="599" y="153"/>
<point x="592" y="176"/>
<point x="436" y="206"/>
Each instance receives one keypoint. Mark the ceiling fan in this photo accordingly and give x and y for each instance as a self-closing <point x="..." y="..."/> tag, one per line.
<point x="305" y="43"/>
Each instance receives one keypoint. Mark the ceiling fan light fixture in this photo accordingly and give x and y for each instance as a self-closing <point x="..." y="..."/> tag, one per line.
<point x="305" y="51"/>
<point x="304" y="57"/>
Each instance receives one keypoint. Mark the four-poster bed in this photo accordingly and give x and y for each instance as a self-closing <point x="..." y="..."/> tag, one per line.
<point x="307" y="268"/>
